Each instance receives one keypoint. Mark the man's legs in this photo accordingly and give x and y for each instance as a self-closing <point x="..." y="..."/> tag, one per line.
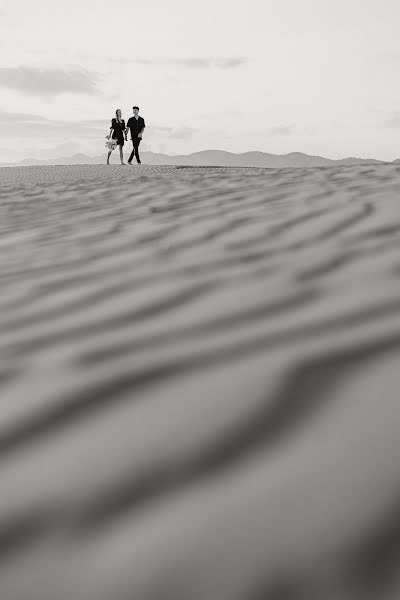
<point x="136" y="145"/>
<point x="132" y="153"/>
<point x="135" y="150"/>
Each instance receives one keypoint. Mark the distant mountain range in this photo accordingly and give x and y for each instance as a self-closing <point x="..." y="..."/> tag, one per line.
<point x="210" y="158"/>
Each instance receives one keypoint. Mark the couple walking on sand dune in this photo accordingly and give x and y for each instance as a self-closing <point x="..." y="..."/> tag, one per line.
<point x="119" y="133"/>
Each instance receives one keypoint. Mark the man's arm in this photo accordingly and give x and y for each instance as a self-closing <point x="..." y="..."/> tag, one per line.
<point x="126" y="130"/>
<point x="141" y="131"/>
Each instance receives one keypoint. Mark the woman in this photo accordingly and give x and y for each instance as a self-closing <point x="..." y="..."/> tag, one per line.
<point x="117" y="132"/>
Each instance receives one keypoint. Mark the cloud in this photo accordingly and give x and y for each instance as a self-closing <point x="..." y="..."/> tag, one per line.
<point x="208" y="63"/>
<point x="61" y="150"/>
<point x="190" y="63"/>
<point x="182" y="133"/>
<point x="33" y="126"/>
<point x="375" y="109"/>
<point x="7" y="117"/>
<point x="388" y="57"/>
<point x="231" y="63"/>
<point x="178" y="133"/>
<point x="48" y="82"/>
<point x="393" y="120"/>
<point x="280" y="130"/>
<point x="30" y="125"/>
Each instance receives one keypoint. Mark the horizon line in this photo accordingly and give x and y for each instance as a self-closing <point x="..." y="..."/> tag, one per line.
<point x="213" y="150"/>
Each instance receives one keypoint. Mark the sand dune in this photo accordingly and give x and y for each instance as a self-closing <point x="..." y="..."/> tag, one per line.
<point x="199" y="379"/>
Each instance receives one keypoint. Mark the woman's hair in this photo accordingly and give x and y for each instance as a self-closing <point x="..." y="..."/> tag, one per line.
<point x="116" y="112"/>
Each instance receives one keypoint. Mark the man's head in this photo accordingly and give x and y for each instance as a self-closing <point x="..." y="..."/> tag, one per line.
<point x="135" y="110"/>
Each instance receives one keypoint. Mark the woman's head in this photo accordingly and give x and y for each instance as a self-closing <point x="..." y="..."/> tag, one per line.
<point x="118" y="113"/>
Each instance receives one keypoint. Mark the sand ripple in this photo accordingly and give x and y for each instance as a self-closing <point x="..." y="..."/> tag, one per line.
<point x="199" y="380"/>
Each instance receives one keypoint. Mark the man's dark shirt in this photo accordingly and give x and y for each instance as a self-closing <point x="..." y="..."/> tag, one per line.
<point x="136" y="126"/>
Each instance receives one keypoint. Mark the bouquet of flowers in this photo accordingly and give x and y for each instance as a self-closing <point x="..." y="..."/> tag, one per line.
<point x="111" y="143"/>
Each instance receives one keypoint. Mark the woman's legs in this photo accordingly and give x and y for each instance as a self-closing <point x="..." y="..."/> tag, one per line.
<point x="121" y="154"/>
<point x="108" y="157"/>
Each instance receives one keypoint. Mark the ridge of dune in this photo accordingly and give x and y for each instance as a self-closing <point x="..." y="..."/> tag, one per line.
<point x="209" y="158"/>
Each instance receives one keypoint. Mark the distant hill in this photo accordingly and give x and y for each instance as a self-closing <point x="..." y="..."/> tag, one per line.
<point x="211" y="158"/>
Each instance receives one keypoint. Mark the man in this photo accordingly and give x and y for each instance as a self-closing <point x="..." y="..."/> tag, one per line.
<point x="136" y="125"/>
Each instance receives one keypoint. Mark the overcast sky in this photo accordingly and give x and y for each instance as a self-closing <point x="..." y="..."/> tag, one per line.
<point x="312" y="76"/>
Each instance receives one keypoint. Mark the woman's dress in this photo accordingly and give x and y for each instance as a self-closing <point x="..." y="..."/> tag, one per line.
<point x="119" y="131"/>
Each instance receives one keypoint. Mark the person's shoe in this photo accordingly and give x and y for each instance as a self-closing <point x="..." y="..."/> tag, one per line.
<point x="129" y="162"/>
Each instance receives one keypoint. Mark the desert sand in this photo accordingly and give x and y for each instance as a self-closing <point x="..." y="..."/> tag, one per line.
<point x="199" y="383"/>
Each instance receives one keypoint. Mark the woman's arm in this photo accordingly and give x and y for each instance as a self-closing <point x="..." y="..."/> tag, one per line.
<point x="111" y="130"/>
